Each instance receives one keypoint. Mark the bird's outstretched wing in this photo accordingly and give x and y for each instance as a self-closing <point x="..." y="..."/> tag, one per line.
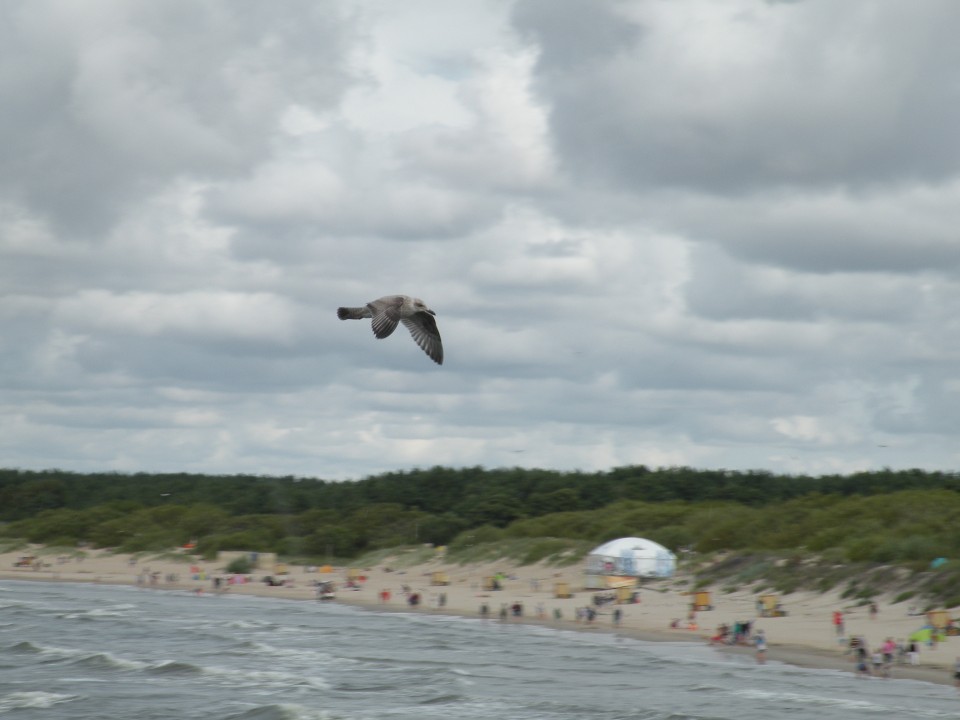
<point x="386" y="315"/>
<point x="424" y="330"/>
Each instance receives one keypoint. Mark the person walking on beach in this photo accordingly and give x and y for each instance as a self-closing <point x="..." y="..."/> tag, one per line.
<point x="760" y="643"/>
<point x="889" y="650"/>
<point x="913" y="653"/>
<point x="862" y="653"/>
<point x="838" y="622"/>
<point x="879" y="669"/>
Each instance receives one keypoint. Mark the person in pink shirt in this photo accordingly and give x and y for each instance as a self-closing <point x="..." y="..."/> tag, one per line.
<point x="889" y="651"/>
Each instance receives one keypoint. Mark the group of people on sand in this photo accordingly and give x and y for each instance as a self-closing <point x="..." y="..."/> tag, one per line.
<point x="742" y="633"/>
<point x="737" y="634"/>
<point x="884" y="656"/>
<point x="413" y="598"/>
<point x="585" y="615"/>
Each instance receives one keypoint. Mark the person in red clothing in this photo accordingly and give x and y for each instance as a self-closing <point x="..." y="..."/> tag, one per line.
<point x="838" y="622"/>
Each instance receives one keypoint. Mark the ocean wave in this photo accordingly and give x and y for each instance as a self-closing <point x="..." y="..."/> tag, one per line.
<point x="567" y="710"/>
<point x="174" y="667"/>
<point x="315" y="657"/>
<point x="264" y="678"/>
<point x="49" y="652"/>
<point x="37" y="699"/>
<point x="705" y="688"/>
<point x="366" y="687"/>
<point x="87" y="659"/>
<point x="783" y="699"/>
<point x="250" y="625"/>
<point x="286" y="711"/>
<point x="109" y="661"/>
<point x="442" y="700"/>
<point x="111" y="613"/>
<point x="24" y="647"/>
<point x="106" y="661"/>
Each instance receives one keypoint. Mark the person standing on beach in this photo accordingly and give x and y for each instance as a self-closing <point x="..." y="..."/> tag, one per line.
<point x="913" y="653"/>
<point x="760" y="643"/>
<point x="862" y="654"/>
<point x="838" y="622"/>
<point x="879" y="669"/>
<point x="889" y="650"/>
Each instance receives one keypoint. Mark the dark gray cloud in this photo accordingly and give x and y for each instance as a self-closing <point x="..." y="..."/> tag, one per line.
<point x="110" y="102"/>
<point x="576" y="37"/>
<point x="747" y="97"/>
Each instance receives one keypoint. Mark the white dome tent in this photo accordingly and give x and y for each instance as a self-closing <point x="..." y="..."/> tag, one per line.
<point x="623" y="561"/>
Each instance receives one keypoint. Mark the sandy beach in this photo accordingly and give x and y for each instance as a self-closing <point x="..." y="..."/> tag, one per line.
<point x="804" y="637"/>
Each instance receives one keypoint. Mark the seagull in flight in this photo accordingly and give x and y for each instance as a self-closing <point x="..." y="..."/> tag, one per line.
<point x="390" y="310"/>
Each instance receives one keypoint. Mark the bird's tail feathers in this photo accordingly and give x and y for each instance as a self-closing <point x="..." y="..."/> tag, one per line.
<point x="346" y="313"/>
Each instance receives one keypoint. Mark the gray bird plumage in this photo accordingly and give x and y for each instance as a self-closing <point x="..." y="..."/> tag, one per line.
<point x="390" y="310"/>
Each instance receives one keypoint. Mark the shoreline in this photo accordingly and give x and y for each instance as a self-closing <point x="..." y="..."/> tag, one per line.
<point x="788" y="654"/>
<point x="803" y="639"/>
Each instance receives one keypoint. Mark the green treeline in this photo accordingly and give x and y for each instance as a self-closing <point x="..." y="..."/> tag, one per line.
<point x="879" y="516"/>
<point x="902" y="526"/>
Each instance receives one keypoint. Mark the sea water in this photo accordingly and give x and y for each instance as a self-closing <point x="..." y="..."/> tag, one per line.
<point x="87" y="651"/>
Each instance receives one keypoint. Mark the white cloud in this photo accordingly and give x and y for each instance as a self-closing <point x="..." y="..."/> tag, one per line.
<point x="663" y="233"/>
<point x="504" y="145"/>
<point x="200" y="314"/>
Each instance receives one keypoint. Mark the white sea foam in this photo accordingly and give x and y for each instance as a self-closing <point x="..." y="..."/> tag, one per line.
<point x="250" y="625"/>
<point x="49" y="651"/>
<point x="264" y="678"/>
<point x="35" y="699"/>
<point x="315" y="657"/>
<point x="113" y="611"/>
<point x="110" y="661"/>
<point x="808" y="699"/>
<point x="851" y="704"/>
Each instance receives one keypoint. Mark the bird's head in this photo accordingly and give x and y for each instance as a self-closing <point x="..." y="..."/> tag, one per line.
<point x="421" y="306"/>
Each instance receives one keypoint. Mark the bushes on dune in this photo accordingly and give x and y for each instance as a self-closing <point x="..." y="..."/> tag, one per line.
<point x="885" y="517"/>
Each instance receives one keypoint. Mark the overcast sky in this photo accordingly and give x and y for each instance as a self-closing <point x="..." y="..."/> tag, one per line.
<point x="715" y="234"/>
